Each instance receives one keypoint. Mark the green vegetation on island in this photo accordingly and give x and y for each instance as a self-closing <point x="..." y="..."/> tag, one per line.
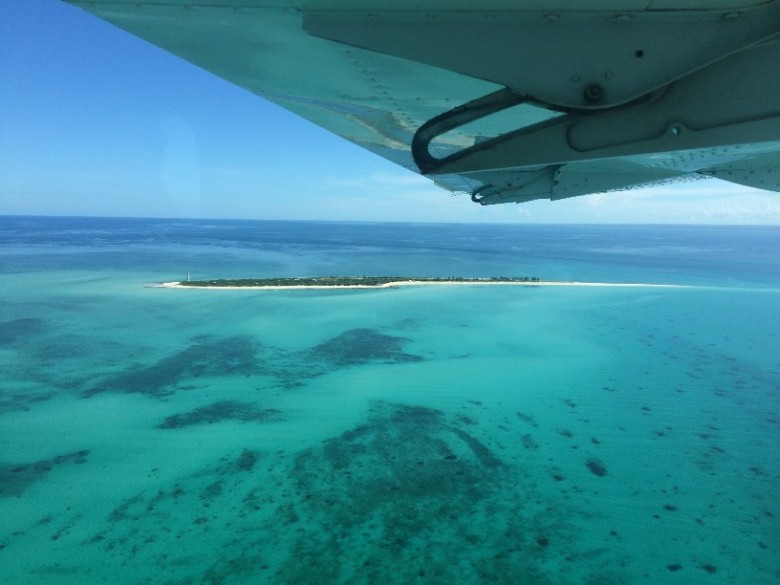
<point x="348" y="281"/>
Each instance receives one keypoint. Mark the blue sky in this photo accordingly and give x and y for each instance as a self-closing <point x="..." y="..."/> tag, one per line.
<point x="94" y="121"/>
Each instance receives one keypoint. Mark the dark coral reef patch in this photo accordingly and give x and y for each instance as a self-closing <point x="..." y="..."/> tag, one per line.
<point x="221" y="411"/>
<point x="596" y="467"/>
<point x="20" y="330"/>
<point x="208" y="355"/>
<point x="25" y="400"/>
<point x="411" y="493"/>
<point x="360" y="346"/>
<point x="211" y="355"/>
<point x="354" y="347"/>
<point x="16" y="478"/>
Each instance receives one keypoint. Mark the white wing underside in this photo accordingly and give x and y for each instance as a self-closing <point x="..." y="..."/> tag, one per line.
<point x="507" y="100"/>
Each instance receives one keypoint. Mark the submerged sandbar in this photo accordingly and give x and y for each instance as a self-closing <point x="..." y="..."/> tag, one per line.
<point x="342" y="282"/>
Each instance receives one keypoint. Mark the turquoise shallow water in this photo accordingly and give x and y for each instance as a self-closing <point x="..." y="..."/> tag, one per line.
<point x="425" y="434"/>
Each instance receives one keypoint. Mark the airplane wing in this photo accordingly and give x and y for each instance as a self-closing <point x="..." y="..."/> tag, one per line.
<point x="507" y="100"/>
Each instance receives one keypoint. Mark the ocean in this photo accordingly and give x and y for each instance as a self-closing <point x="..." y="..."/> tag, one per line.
<point x="429" y="434"/>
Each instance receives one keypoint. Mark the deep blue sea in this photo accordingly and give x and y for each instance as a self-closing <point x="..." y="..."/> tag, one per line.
<point x="426" y="434"/>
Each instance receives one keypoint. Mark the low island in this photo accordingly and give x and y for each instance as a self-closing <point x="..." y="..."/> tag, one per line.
<point x="348" y="281"/>
<point x="340" y="282"/>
